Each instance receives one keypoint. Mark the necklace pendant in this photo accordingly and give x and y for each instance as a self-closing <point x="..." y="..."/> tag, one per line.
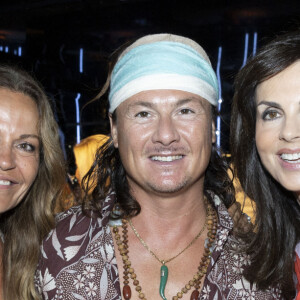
<point x="163" y="281"/>
<point x="195" y="295"/>
<point x="127" y="292"/>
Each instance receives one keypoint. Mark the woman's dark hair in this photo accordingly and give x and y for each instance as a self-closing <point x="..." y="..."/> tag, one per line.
<point x="277" y="212"/>
<point x="108" y="174"/>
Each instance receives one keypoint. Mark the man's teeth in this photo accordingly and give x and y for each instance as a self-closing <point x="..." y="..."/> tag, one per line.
<point x="166" y="158"/>
<point x="4" y="182"/>
<point x="291" y="157"/>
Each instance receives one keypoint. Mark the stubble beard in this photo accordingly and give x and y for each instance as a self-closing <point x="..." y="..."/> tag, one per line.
<point x="168" y="189"/>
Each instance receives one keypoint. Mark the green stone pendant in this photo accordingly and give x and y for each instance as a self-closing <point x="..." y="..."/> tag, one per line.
<point x="163" y="281"/>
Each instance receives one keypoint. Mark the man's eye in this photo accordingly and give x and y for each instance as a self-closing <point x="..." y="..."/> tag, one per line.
<point x="186" y="111"/>
<point x="142" y="114"/>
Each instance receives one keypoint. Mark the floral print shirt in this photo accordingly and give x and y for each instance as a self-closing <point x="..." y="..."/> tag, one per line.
<point x="78" y="261"/>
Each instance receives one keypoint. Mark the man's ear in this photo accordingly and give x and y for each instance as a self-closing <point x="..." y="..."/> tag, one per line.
<point x="213" y="132"/>
<point x="113" y="130"/>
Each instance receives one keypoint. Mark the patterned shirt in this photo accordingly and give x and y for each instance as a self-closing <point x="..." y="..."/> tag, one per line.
<point x="78" y="261"/>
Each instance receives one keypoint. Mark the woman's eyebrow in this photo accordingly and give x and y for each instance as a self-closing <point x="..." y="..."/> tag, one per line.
<point x="269" y="103"/>
<point x="26" y="136"/>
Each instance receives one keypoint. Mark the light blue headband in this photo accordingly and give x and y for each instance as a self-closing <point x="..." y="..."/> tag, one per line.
<point x="163" y="65"/>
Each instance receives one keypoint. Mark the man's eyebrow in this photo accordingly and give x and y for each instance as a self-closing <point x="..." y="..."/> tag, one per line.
<point x="191" y="99"/>
<point x="269" y="103"/>
<point x="141" y="103"/>
<point x="177" y="104"/>
<point x="187" y="100"/>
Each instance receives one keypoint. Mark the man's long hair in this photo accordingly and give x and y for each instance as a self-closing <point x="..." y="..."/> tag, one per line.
<point x="109" y="175"/>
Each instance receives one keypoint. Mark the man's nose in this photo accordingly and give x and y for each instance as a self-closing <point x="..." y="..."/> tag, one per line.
<point x="166" y="132"/>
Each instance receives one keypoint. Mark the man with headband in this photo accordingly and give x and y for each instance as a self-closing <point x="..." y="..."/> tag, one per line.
<point x="157" y="226"/>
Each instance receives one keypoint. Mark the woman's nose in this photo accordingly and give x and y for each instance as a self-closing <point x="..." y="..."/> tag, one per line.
<point x="7" y="158"/>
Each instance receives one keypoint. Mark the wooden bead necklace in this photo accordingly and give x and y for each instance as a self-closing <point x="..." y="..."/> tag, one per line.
<point x="211" y="223"/>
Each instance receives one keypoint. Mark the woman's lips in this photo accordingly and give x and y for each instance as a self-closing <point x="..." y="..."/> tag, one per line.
<point x="292" y="158"/>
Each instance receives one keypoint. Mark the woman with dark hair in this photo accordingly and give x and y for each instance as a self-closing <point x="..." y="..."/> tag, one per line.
<point x="31" y="177"/>
<point x="265" y="145"/>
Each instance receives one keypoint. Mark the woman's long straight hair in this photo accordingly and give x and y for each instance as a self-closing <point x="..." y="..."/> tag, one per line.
<point x="277" y="212"/>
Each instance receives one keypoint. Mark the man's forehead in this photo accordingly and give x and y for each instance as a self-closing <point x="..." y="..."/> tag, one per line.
<point x="164" y="97"/>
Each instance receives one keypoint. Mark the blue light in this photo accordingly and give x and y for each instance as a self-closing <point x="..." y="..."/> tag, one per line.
<point x="219" y="77"/>
<point x="80" y="60"/>
<point x="77" y="118"/>
<point x="6" y="49"/>
<point x="254" y="43"/>
<point x="246" y="49"/>
<point x="1" y="48"/>
<point x="15" y="52"/>
<point x="218" y="129"/>
<point x="20" y="51"/>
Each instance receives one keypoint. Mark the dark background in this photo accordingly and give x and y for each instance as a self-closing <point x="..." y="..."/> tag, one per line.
<point x="45" y="37"/>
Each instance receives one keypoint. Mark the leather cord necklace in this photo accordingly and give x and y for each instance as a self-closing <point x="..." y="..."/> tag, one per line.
<point x="211" y="223"/>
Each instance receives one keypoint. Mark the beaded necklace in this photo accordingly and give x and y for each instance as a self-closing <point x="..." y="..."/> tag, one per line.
<point x="211" y="222"/>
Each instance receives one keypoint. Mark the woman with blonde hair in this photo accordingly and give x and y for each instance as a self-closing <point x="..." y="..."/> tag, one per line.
<point x="32" y="173"/>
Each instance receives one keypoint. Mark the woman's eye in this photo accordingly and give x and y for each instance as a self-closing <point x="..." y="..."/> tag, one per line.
<point x="142" y="114"/>
<point x="270" y="115"/>
<point x="26" y="147"/>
